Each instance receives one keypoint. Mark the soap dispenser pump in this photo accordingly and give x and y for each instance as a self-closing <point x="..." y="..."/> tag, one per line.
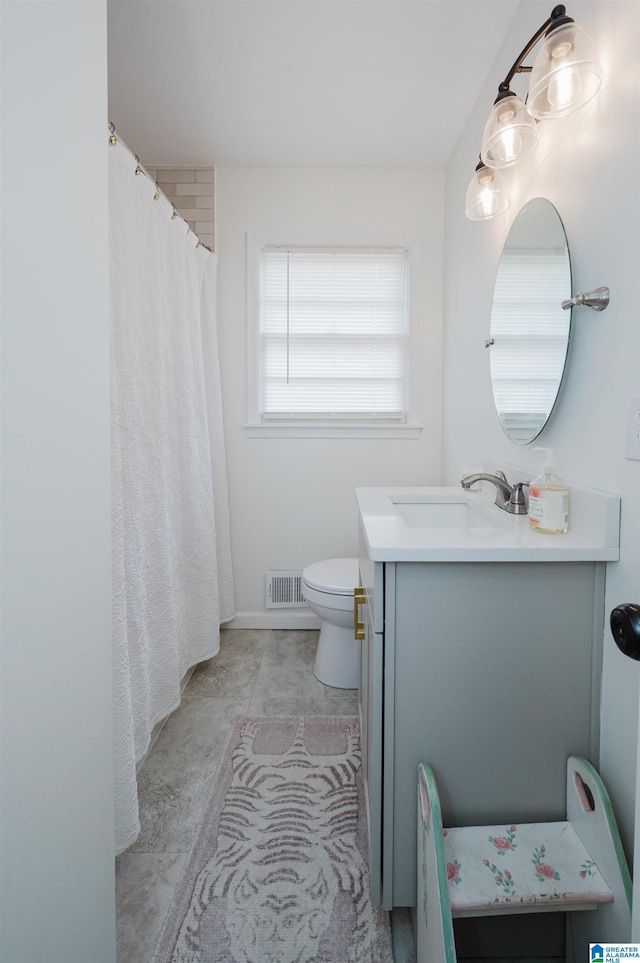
<point x="548" y="500"/>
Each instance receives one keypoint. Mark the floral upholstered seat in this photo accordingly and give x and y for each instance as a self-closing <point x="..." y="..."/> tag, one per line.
<point x="534" y="865"/>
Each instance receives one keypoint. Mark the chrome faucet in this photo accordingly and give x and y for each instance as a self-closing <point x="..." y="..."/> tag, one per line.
<point x="508" y="497"/>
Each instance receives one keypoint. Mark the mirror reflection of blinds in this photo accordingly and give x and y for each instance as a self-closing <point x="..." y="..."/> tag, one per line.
<point x="530" y="332"/>
<point x="334" y="333"/>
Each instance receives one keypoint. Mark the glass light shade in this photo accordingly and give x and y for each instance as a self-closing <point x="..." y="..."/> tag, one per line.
<point x="486" y="195"/>
<point x="566" y="73"/>
<point x="510" y="133"/>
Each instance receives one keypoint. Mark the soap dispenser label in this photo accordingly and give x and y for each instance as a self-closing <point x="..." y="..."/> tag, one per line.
<point x="549" y="509"/>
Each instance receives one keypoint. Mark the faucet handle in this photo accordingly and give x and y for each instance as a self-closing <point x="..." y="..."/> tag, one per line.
<point x="501" y="474"/>
<point x="517" y="504"/>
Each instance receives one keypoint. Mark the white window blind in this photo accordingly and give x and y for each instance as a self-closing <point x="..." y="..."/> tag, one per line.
<point x="333" y="334"/>
<point x="529" y="329"/>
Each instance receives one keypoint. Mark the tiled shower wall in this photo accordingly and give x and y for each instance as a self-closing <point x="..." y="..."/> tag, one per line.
<point x="191" y="190"/>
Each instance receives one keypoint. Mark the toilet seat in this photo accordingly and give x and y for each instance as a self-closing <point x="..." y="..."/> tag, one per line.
<point x="330" y="601"/>
<point x="334" y="576"/>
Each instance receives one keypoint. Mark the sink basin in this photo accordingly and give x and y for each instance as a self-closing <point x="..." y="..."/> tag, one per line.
<point x="441" y="515"/>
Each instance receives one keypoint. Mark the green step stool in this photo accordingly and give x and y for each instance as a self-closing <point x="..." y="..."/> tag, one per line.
<point x="577" y="867"/>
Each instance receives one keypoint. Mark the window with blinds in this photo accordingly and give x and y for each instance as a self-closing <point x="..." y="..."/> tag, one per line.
<point x="529" y="330"/>
<point x="333" y="334"/>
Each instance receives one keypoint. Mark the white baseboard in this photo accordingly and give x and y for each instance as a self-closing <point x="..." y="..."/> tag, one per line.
<point x="275" y="619"/>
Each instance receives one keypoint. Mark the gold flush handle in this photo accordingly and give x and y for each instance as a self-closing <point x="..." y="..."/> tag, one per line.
<point x="358" y="599"/>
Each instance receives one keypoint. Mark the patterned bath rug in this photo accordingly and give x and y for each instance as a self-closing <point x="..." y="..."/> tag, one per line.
<point x="278" y="871"/>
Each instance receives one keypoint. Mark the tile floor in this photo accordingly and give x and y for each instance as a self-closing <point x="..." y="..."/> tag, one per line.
<point x="262" y="673"/>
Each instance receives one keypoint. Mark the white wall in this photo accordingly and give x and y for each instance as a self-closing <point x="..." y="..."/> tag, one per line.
<point x="587" y="165"/>
<point x="57" y="899"/>
<point x="292" y="500"/>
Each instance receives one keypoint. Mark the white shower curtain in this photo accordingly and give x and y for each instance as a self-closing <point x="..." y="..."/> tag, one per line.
<point x="172" y="576"/>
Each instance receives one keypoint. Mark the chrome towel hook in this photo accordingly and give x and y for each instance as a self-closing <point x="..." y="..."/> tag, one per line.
<point x="597" y="299"/>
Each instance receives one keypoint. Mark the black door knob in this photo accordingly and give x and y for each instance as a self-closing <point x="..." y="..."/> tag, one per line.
<point x="625" y="628"/>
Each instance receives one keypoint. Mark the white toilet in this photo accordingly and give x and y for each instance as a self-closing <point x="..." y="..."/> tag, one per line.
<point x="328" y="589"/>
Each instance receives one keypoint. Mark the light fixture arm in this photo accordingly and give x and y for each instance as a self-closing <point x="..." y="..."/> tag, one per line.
<point x="557" y="18"/>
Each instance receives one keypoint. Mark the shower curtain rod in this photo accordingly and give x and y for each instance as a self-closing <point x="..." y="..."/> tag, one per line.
<point x="114" y="138"/>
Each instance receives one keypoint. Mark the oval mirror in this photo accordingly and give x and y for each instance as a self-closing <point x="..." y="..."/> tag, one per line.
<point x="529" y="330"/>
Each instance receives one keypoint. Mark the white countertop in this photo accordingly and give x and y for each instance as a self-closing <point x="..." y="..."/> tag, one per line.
<point x="508" y="539"/>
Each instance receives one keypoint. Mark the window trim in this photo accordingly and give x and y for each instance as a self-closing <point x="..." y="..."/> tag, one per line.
<point x="330" y="428"/>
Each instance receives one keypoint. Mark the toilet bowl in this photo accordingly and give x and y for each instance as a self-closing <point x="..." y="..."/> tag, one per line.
<point x="327" y="587"/>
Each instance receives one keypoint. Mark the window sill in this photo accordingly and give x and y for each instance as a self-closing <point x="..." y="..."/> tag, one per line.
<point x="331" y="431"/>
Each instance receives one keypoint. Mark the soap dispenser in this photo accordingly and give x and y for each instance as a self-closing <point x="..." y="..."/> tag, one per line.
<point x="548" y="500"/>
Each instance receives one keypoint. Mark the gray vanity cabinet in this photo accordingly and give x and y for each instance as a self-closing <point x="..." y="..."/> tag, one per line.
<point x="489" y="671"/>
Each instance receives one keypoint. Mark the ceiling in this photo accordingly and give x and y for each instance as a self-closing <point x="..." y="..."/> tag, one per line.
<point x="311" y="83"/>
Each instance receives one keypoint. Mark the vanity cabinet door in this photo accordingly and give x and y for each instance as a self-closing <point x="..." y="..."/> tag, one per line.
<point x="370" y="698"/>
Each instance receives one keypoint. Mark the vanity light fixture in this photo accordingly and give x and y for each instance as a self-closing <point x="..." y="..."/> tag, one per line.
<point x="487" y="194"/>
<point x="566" y="74"/>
